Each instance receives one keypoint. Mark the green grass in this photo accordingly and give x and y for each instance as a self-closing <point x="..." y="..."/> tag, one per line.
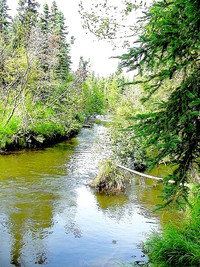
<point x="110" y="179"/>
<point x="178" y="246"/>
<point x="45" y="127"/>
<point x="8" y="132"/>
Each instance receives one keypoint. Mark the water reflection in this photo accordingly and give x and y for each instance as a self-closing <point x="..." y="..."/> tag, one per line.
<point x="31" y="186"/>
<point x="149" y="194"/>
<point x="111" y="201"/>
<point x="113" y="228"/>
<point x="48" y="216"/>
<point x="27" y="164"/>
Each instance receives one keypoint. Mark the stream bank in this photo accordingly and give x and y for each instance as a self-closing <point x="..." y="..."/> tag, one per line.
<point x="33" y="140"/>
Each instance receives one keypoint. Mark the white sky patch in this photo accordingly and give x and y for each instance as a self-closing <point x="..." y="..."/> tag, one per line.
<point x="85" y="45"/>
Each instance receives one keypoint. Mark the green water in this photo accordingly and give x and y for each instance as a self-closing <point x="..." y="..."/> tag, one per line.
<point x="48" y="215"/>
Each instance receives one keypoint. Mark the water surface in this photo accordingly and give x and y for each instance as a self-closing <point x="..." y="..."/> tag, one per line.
<point x="49" y="216"/>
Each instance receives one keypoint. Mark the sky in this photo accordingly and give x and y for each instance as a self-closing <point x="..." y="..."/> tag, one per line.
<point x="86" y="45"/>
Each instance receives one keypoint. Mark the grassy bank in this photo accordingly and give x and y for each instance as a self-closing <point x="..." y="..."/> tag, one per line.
<point x="39" y="126"/>
<point x="178" y="245"/>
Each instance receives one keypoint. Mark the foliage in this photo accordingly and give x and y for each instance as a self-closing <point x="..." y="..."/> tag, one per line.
<point x="166" y="57"/>
<point x="59" y="30"/>
<point x="113" y="92"/>
<point x="111" y="21"/>
<point x="104" y="94"/>
<point x="167" y="47"/>
<point x="178" y="245"/>
<point x="4" y="18"/>
<point x="94" y="96"/>
<point x="126" y="149"/>
<point x="26" y="20"/>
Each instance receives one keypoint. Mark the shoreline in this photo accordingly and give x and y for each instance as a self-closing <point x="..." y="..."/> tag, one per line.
<point x="34" y="144"/>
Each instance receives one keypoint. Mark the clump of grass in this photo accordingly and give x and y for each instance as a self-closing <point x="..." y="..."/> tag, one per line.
<point x="7" y="132"/>
<point x="110" y="179"/>
<point x="178" y="245"/>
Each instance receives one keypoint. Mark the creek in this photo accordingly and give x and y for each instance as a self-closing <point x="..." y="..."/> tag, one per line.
<point x="49" y="216"/>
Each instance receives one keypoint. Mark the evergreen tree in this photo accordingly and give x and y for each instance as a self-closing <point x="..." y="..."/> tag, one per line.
<point x="45" y="27"/>
<point x="64" y="57"/>
<point x="4" y="18"/>
<point x="45" y="19"/>
<point x="27" y="18"/>
<point x="60" y="33"/>
<point x="54" y="16"/>
<point x="4" y="40"/>
<point x="169" y="50"/>
<point x="27" y="11"/>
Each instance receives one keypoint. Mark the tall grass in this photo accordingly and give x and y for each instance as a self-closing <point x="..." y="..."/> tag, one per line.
<point x="110" y="179"/>
<point x="178" y="246"/>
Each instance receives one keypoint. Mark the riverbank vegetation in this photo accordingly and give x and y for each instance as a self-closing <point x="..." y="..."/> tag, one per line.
<point x="164" y="52"/>
<point x="41" y="100"/>
<point x="38" y="96"/>
<point x="165" y="57"/>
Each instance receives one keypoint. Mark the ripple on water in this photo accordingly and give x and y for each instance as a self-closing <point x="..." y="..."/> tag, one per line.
<point x="48" y="216"/>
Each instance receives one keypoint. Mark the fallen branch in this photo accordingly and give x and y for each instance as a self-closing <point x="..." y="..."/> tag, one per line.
<point x="144" y="175"/>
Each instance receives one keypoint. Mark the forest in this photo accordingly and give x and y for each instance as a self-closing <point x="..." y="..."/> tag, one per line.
<point x="157" y="112"/>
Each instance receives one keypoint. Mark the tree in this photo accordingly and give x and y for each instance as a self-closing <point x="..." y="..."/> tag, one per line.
<point x="59" y="31"/>
<point x="45" y="28"/>
<point x="165" y="54"/>
<point x="38" y="95"/>
<point x="53" y="26"/>
<point x="4" y="18"/>
<point x="5" y="21"/>
<point x="27" y="11"/>
<point x="45" y="19"/>
<point x="64" y="57"/>
<point x="112" y="22"/>
<point x="54" y="14"/>
<point x="26" y="20"/>
<point x="168" y="49"/>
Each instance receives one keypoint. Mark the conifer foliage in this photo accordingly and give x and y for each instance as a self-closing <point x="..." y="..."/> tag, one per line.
<point x="4" y="17"/>
<point x="59" y="31"/>
<point x="168" y="49"/>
